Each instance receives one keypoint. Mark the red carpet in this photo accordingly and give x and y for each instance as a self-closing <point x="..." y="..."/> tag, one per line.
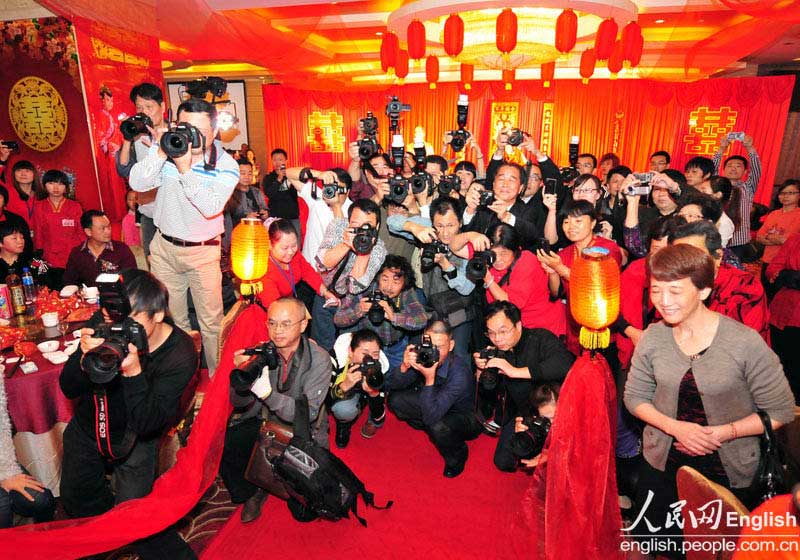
<point x="432" y="517"/>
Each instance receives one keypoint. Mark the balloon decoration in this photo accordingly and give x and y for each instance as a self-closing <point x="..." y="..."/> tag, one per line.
<point x="467" y="75"/>
<point x="594" y="295"/>
<point x="390" y="47"/>
<point x="605" y="37"/>
<point x="415" y="35"/>
<point x="615" y="60"/>
<point x="506" y="33"/>
<point x="632" y="44"/>
<point x="453" y="35"/>
<point x="401" y="69"/>
<point x="566" y="31"/>
<point x="548" y="73"/>
<point x="250" y="254"/>
<point x="508" y="79"/>
<point x="432" y="71"/>
<point x="588" y="62"/>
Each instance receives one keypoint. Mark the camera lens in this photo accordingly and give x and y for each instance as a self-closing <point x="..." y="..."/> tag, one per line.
<point x="476" y="269"/>
<point x="490" y="378"/>
<point x="457" y="143"/>
<point x="102" y="363"/>
<point x="376" y="314"/>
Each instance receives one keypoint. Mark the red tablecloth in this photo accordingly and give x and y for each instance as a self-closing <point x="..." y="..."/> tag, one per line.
<point x="35" y="400"/>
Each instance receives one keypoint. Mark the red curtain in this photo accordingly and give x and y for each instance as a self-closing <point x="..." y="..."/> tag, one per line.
<point x="635" y="117"/>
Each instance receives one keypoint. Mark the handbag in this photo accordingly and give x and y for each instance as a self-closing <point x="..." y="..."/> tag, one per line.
<point x="273" y="438"/>
<point x="772" y="472"/>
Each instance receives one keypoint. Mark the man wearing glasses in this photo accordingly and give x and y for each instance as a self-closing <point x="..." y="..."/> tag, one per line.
<point x="530" y="357"/>
<point x="303" y="367"/>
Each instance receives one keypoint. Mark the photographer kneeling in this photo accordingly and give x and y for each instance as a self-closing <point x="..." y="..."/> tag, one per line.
<point x="519" y="359"/>
<point x="128" y="383"/>
<point x="433" y="390"/>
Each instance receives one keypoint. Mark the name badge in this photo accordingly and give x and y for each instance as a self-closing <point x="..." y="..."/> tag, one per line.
<point x="67" y="222"/>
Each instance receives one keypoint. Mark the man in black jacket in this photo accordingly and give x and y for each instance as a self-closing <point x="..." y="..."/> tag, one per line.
<point x="529" y="357"/>
<point x="118" y="424"/>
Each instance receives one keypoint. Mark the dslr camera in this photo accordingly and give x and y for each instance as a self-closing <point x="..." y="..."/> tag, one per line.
<point x="490" y="376"/>
<point x="516" y="137"/>
<point x="372" y="372"/>
<point x="459" y="137"/>
<point x="486" y="199"/>
<point x="569" y="174"/>
<point x="398" y="185"/>
<point x="429" y="252"/>
<point x="134" y="126"/>
<point x="427" y="353"/>
<point x="364" y="238"/>
<point x="479" y="264"/>
<point x="376" y="313"/>
<point x="261" y="356"/>
<point x="12" y="145"/>
<point x="421" y="180"/>
<point x="180" y="138"/>
<point x="449" y="183"/>
<point x="368" y="146"/>
<point x="529" y="444"/>
<point x="102" y="364"/>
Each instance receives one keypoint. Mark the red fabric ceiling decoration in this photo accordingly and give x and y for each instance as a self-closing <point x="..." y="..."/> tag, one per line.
<point x="401" y="69"/>
<point x="415" y="35"/>
<point x="453" y="35"/>
<point x="548" y="73"/>
<point x="467" y="75"/>
<point x="390" y="46"/>
<point x="432" y="71"/>
<point x="588" y="62"/>
<point x="632" y="44"/>
<point x="566" y="31"/>
<point x="616" y="58"/>
<point x="605" y="37"/>
<point x="506" y="30"/>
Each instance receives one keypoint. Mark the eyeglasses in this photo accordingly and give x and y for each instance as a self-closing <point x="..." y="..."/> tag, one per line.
<point x="279" y="326"/>
<point x="502" y="332"/>
<point x="584" y="191"/>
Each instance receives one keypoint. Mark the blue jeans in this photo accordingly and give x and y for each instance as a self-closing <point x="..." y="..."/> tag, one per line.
<point x="394" y="353"/>
<point x="347" y="410"/>
<point x="41" y="508"/>
<point x="462" y="334"/>
<point x="323" y="331"/>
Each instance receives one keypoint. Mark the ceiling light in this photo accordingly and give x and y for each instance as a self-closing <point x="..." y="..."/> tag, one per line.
<point x="659" y="21"/>
<point x="379" y="33"/>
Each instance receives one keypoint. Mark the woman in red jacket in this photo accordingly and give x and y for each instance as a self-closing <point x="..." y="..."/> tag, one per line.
<point x="57" y="223"/>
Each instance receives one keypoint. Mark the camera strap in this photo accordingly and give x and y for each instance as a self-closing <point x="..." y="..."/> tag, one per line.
<point x="212" y="162"/>
<point x="103" y="431"/>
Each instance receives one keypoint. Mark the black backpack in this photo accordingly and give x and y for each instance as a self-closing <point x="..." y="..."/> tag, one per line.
<point x="319" y="483"/>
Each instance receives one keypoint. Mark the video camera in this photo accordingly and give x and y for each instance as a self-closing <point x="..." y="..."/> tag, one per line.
<point x="490" y="376"/>
<point x="421" y="180"/>
<point x="479" y="264"/>
<point x="427" y="353"/>
<point x="368" y="146"/>
<point x="529" y="444"/>
<point x="180" y="138"/>
<point x="376" y="313"/>
<point x="393" y="110"/>
<point x="643" y="188"/>
<point x="364" y="239"/>
<point x="261" y="356"/>
<point x="372" y="372"/>
<point x="459" y="137"/>
<point x="429" y="252"/>
<point x="102" y="363"/>
<point x="134" y="126"/>
<point x="398" y="185"/>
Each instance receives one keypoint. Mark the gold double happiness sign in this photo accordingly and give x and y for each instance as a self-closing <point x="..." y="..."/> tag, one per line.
<point x="38" y="114"/>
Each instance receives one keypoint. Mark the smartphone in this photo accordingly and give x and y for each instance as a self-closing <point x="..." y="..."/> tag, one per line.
<point x="736" y="136"/>
<point x="543" y="244"/>
<point x="550" y="185"/>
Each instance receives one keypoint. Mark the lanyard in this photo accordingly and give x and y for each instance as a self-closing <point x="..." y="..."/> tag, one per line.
<point x="289" y="278"/>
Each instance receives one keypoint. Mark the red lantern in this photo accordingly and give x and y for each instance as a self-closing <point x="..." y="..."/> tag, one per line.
<point x="615" y="60"/>
<point x="566" y="31"/>
<point x="415" y="35"/>
<point x="548" y="73"/>
<point x="453" y="35"/>
<point x="390" y="46"/>
<point x="508" y="79"/>
<point x="632" y="43"/>
<point x="401" y="70"/>
<point x="588" y="61"/>
<point x="467" y="74"/>
<point x="432" y="71"/>
<point x="605" y="37"/>
<point x="506" y="31"/>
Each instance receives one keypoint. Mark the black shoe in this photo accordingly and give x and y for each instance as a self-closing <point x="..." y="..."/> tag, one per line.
<point x="454" y="471"/>
<point x="343" y="434"/>
<point x="252" y="507"/>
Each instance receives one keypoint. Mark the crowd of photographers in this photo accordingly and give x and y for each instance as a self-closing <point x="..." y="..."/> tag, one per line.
<point x="439" y="294"/>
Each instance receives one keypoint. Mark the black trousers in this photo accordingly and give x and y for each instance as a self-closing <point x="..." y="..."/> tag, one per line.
<point x="239" y="441"/>
<point x="785" y="344"/>
<point x="448" y="434"/>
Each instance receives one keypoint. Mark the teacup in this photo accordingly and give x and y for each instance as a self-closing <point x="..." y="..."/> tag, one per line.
<point x="50" y="319"/>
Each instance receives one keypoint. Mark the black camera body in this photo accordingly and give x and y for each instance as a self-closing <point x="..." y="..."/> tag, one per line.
<point x="102" y="364"/>
<point x="429" y="252"/>
<point x="479" y="264"/>
<point x="516" y="137"/>
<point x="372" y="372"/>
<point x="135" y="125"/>
<point x="330" y="191"/>
<point x="393" y="110"/>
<point x="485" y="199"/>
<point x="448" y="184"/>
<point x="398" y="189"/>
<point x="427" y="354"/>
<point x="529" y="444"/>
<point x="368" y="148"/>
<point x="261" y="356"/>
<point x="490" y="377"/>
<point x="460" y="136"/>
<point x="364" y="239"/>
<point x="420" y="182"/>
<point x="12" y="145"/>
<point x="376" y="313"/>
<point x="458" y="139"/>
<point x="369" y="124"/>
<point x="180" y="138"/>
<point x="569" y="174"/>
<point x="211" y="84"/>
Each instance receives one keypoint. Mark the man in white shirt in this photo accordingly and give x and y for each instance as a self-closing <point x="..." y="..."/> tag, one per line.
<point x="192" y="192"/>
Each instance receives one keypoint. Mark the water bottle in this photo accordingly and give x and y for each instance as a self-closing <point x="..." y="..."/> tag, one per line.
<point x="28" y="287"/>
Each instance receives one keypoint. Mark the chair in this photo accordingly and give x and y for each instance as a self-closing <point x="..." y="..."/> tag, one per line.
<point x="227" y="324"/>
<point x="698" y="491"/>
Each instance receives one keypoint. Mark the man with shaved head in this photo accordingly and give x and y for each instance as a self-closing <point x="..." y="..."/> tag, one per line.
<point x="302" y="368"/>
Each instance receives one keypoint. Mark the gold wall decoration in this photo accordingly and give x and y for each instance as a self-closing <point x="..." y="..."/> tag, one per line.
<point x="38" y="114"/>
<point x="706" y="127"/>
<point x="325" y="132"/>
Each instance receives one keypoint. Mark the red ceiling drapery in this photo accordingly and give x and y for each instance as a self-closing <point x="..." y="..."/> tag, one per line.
<point x="633" y="117"/>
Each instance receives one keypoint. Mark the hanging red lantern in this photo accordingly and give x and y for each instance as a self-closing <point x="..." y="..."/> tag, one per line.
<point x="594" y="295"/>
<point x="506" y="31"/>
<point x="453" y="35"/>
<point x="508" y="79"/>
<point x="401" y="70"/>
<point x="390" y="46"/>
<point x="432" y="71"/>
<point x="615" y="60"/>
<point x="415" y="35"/>
<point x="566" y="31"/>
<point x="548" y="73"/>
<point x="588" y="61"/>
<point x="632" y="44"/>
<point x="605" y="37"/>
<point x="467" y="75"/>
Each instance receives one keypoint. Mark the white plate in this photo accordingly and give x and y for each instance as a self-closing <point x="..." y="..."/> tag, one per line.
<point x="69" y="290"/>
<point x="48" y="346"/>
<point x="56" y="357"/>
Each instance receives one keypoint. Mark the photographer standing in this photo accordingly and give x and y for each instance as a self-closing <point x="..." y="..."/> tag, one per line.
<point x="193" y="189"/>
<point x="118" y="422"/>
<point x="523" y="358"/>
<point x="433" y="390"/>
